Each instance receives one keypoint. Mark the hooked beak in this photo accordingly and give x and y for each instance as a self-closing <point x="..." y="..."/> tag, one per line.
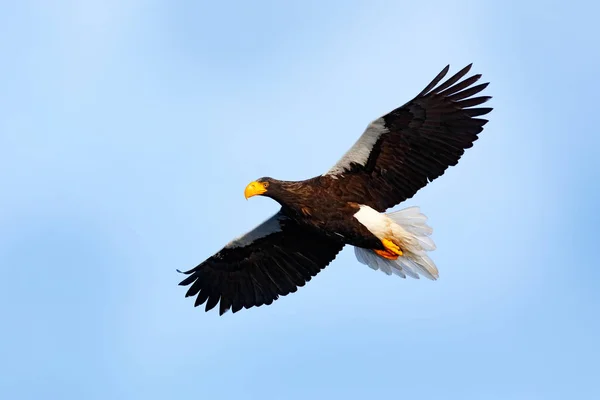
<point x="254" y="189"/>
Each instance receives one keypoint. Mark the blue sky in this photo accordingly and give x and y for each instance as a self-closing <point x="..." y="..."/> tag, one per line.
<point x="128" y="130"/>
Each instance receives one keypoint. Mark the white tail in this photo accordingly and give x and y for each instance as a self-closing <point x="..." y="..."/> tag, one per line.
<point x="413" y="233"/>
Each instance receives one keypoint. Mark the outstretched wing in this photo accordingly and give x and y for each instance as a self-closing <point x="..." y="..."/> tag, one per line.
<point x="401" y="152"/>
<point x="272" y="260"/>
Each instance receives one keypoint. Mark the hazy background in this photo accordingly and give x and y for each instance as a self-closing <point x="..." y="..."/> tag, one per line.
<point x="128" y="130"/>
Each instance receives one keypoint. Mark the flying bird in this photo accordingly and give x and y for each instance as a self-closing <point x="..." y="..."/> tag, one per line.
<point x="398" y="154"/>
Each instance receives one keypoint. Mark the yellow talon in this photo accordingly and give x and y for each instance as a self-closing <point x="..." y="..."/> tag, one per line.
<point x="391" y="247"/>
<point x="391" y="251"/>
<point x="385" y="254"/>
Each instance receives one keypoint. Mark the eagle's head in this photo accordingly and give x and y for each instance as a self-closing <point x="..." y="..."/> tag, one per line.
<point x="260" y="187"/>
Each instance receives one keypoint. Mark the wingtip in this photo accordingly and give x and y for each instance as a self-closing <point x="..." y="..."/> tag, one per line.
<point x="186" y="281"/>
<point x="189" y="271"/>
<point x="222" y="312"/>
<point x="465" y="70"/>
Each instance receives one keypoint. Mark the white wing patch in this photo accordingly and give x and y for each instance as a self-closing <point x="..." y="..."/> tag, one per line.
<point x="360" y="151"/>
<point x="268" y="227"/>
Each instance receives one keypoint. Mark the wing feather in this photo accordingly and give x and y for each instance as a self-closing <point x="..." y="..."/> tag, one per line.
<point x="402" y="151"/>
<point x="272" y="260"/>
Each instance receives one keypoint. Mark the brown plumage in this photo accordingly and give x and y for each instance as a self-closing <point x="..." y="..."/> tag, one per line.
<point x="397" y="155"/>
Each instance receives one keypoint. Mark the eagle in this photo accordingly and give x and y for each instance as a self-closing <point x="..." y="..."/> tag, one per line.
<point x="398" y="154"/>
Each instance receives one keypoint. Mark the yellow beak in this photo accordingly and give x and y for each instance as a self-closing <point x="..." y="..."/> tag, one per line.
<point x="254" y="189"/>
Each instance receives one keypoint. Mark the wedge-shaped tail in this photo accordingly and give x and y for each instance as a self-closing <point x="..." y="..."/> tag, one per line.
<point x="414" y="234"/>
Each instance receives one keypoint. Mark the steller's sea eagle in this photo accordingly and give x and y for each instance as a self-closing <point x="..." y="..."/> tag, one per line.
<point x="398" y="154"/>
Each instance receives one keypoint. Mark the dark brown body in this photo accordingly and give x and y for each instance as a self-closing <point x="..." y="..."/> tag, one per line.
<point x="317" y="204"/>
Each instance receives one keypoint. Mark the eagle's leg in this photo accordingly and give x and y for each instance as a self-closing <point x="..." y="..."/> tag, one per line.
<point x="391" y="251"/>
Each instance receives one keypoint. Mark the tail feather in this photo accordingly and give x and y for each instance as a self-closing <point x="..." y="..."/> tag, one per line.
<point x="373" y="261"/>
<point x="412" y="221"/>
<point x="413" y="232"/>
<point x="426" y="243"/>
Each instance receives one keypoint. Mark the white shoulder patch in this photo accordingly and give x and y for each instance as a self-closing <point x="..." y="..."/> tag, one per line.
<point x="271" y="225"/>
<point x="360" y="151"/>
